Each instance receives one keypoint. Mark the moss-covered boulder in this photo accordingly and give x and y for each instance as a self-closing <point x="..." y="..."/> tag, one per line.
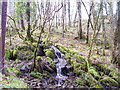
<point x="63" y="49"/>
<point x="38" y="58"/>
<point x="34" y="44"/>
<point x="49" y="53"/>
<point x="25" y="55"/>
<point x="51" y="62"/>
<point x="12" y="54"/>
<point x="80" y="82"/>
<point x="23" y="47"/>
<point x="92" y="70"/>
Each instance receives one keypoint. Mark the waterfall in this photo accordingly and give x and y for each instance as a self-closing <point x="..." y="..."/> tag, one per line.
<point x="60" y="64"/>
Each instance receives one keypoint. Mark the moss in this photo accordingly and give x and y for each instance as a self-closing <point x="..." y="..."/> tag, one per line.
<point x="36" y="74"/>
<point x="38" y="58"/>
<point x="72" y="45"/>
<point x="104" y="68"/>
<point x="109" y="82"/>
<point x="49" y="53"/>
<point x="23" y="47"/>
<point x="64" y="49"/>
<point x="79" y="82"/>
<point x="25" y="55"/>
<point x="67" y="55"/>
<point x="89" y="79"/>
<point x="12" y="54"/>
<point x="93" y="71"/>
<point x="52" y="63"/>
<point x="76" y="65"/>
<point x="78" y="57"/>
<point x="34" y="44"/>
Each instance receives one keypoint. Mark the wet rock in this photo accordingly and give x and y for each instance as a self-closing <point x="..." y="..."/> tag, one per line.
<point x="25" y="68"/>
<point x="67" y="70"/>
<point x="41" y="50"/>
<point x="56" y="61"/>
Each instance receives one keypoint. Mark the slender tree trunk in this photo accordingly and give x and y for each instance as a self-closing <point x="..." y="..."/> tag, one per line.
<point x="2" y="38"/>
<point x="63" y="17"/>
<point x="22" y="21"/>
<point x="75" y="19"/>
<point x="103" y="27"/>
<point x="79" y="20"/>
<point x="69" y="22"/>
<point x="88" y="25"/>
<point x="116" y="48"/>
<point x="28" y="20"/>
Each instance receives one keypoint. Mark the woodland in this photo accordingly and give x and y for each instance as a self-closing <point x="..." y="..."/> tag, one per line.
<point x="60" y="44"/>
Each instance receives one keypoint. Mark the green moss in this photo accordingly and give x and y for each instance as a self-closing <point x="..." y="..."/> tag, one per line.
<point x="12" y="54"/>
<point x="93" y="71"/>
<point x="80" y="82"/>
<point x="64" y="49"/>
<point x="76" y="65"/>
<point x="38" y="58"/>
<point x="36" y="74"/>
<point x="49" y="53"/>
<point x="89" y="79"/>
<point x="78" y="57"/>
<point x="23" y="47"/>
<point x="67" y="55"/>
<point x="72" y="45"/>
<point x="34" y="44"/>
<point x="11" y="82"/>
<point x="52" y="63"/>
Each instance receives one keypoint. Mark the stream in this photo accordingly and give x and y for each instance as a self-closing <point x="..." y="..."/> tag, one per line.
<point x="60" y="64"/>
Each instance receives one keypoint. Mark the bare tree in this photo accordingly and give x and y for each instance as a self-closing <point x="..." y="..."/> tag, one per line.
<point x="103" y="26"/>
<point x="63" y="16"/>
<point x="79" y="20"/>
<point x="28" y="20"/>
<point x="116" y="48"/>
<point x="69" y="22"/>
<point x="88" y="24"/>
<point x="2" y="38"/>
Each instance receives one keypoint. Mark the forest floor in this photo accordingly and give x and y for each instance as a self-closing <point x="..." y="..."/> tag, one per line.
<point x="75" y="81"/>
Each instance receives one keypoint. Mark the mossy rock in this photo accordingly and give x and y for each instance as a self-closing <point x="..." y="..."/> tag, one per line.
<point x="25" y="55"/>
<point x="52" y="63"/>
<point x="12" y="54"/>
<point x="109" y="82"/>
<point x="37" y="74"/>
<point x="38" y="58"/>
<point x="93" y="71"/>
<point x="89" y="79"/>
<point x="23" y="47"/>
<point x="76" y="65"/>
<point x="80" y="82"/>
<point x="34" y="44"/>
<point x="63" y="49"/>
<point x="49" y="53"/>
<point x="67" y="55"/>
<point x="80" y="58"/>
<point x="103" y="68"/>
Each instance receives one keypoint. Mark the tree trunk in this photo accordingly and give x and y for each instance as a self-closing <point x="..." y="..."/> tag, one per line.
<point x="79" y="20"/>
<point x="69" y="22"/>
<point x="103" y="27"/>
<point x="28" y="20"/>
<point x="2" y="38"/>
<point x="22" y="21"/>
<point x="88" y="25"/>
<point x="116" y="48"/>
<point x="74" y="22"/>
<point x="63" y="17"/>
